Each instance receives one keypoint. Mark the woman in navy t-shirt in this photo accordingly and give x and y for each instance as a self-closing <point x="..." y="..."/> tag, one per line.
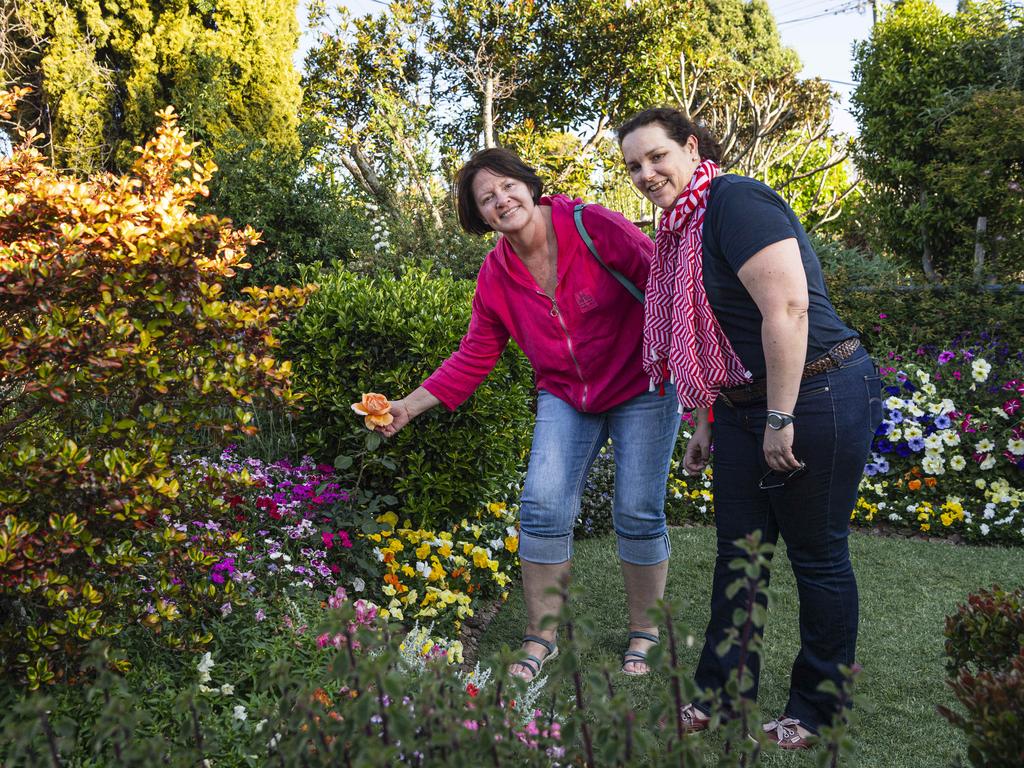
<point x="736" y="314"/>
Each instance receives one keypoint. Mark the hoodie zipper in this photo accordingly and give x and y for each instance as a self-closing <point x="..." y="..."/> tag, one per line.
<point x="555" y="312"/>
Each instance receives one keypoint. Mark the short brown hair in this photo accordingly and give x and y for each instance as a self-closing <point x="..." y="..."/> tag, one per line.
<point x="678" y="127"/>
<point x="501" y="162"/>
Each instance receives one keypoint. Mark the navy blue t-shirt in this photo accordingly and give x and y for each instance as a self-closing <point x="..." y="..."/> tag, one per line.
<point x="743" y="216"/>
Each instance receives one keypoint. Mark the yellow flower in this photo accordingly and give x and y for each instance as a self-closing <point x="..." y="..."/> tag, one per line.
<point x="423" y="552"/>
<point x="445" y="550"/>
<point x="480" y="559"/>
<point x="496" y="508"/>
<point x="408" y="570"/>
<point x="388" y="518"/>
<point x="512" y="544"/>
<point x="467" y="548"/>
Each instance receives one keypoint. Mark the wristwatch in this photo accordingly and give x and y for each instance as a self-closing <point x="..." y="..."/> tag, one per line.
<point x="779" y="420"/>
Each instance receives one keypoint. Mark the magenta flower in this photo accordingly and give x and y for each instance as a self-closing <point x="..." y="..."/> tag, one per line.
<point x="1011" y="406"/>
<point x="945" y="356"/>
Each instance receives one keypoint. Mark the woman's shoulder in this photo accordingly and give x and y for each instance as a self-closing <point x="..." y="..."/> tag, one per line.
<point x="731" y="192"/>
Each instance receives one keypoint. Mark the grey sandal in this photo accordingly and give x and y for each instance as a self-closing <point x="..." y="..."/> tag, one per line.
<point x="531" y="662"/>
<point x="635" y="657"/>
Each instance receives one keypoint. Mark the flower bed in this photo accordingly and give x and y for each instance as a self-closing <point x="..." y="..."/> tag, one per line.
<point x="948" y="457"/>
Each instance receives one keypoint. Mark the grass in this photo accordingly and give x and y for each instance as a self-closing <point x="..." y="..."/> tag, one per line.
<point x="907" y="588"/>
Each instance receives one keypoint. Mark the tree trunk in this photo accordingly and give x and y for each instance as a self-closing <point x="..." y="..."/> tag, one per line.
<point x="488" y="111"/>
<point x="979" y="250"/>
<point x="927" y="261"/>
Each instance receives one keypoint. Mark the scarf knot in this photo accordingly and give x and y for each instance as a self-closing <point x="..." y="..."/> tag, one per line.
<point x="681" y="332"/>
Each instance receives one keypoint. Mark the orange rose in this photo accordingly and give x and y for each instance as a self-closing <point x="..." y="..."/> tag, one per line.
<point x="376" y="410"/>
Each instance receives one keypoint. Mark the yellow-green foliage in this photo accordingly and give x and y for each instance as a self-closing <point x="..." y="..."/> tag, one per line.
<point x="116" y="349"/>
<point x="105" y="69"/>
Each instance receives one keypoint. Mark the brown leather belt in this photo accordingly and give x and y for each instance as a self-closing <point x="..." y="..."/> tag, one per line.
<point x="758" y="390"/>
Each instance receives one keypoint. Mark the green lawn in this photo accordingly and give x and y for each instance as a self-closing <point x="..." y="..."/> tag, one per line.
<point x="906" y="589"/>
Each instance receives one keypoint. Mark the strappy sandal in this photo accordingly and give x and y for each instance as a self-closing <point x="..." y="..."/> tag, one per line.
<point x="638" y="657"/>
<point x="531" y="662"/>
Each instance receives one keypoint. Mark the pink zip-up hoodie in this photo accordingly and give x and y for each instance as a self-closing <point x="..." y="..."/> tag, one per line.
<point x="584" y="346"/>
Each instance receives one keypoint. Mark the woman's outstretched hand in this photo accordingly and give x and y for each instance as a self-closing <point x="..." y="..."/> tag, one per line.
<point x="401" y="417"/>
<point x="698" y="450"/>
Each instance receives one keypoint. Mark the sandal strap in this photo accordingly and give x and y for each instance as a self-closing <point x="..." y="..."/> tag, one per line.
<point x="629" y="656"/>
<point x="532" y="663"/>
<point x="548" y="645"/>
<point x="638" y="635"/>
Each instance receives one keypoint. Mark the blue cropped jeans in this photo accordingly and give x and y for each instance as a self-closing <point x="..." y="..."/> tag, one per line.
<point x="565" y="443"/>
<point x="836" y="416"/>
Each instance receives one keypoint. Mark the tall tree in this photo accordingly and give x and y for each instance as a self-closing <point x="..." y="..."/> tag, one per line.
<point x="917" y="72"/>
<point x="101" y="71"/>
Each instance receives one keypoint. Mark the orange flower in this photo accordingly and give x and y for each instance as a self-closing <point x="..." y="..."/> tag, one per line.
<point x="391" y="579"/>
<point x="320" y="695"/>
<point x="930" y="482"/>
<point x="376" y="410"/>
<point x="914" y="485"/>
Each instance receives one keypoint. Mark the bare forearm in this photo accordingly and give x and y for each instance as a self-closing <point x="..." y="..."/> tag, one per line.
<point x="419" y="401"/>
<point x="784" y="336"/>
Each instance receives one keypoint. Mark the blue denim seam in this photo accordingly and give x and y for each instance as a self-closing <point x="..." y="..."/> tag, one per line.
<point x="652" y="537"/>
<point x="595" y="449"/>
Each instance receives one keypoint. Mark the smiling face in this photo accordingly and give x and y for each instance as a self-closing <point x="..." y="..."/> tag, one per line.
<point x="660" y="167"/>
<point x="504" y="203"/>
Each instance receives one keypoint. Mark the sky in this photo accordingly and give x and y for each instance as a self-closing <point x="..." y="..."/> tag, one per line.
<point x="824" y="39"/>
<point x="822" y="32"/>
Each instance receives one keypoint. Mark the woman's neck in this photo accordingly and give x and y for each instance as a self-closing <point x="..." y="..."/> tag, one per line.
<point x="532" y="241"/>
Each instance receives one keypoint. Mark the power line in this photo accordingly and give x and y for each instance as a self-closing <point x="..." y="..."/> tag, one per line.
<point x="852" y="5"/>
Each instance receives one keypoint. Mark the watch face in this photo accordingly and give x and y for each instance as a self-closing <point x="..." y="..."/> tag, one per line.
<point x="774" y="421"/>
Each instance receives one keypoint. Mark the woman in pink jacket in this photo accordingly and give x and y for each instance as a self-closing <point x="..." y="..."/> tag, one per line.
<point x="581" y="329"/>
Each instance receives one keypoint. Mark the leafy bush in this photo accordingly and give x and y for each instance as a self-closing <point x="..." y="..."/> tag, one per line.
<point x="985" y="659"/>
<point x="387" y="334"/>
<point x="116" y="348"/>
<point x="986" y="631"/>
<point x="903" y="320"/>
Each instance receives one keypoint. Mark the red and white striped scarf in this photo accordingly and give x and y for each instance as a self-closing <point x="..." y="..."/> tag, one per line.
<point x="680" y="329"/>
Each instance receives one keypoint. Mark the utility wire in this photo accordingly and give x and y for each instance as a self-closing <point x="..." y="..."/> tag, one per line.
<point x="852" y="5"/>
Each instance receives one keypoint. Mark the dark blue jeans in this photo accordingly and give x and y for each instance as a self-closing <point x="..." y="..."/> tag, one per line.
<point x="836" y="416"/>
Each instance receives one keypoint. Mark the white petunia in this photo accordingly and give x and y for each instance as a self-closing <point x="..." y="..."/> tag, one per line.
<point x="1016" y="447"/>
<point x="923" y="377"/>
<point x="984" y="445"/>
<point x="929" y="389"/>
<point x="893" y="403"/>
<point x="912" y="431"/>
<point x="227" y="689"/>
<point x="988" y="463"/>
<point x="984" y="529"/>
<point x="980" y="370"/>
<point x="239" y="712"/>
<point x="933" y="465"/>
<point x="949" y="437"/>
<point x="957" y="462"/>
<point x="933" y="442"/>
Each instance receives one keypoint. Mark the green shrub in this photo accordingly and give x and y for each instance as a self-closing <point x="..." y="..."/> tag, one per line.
<point x="902" y="320"/>
<point x="985" y="650"/>
<point x="387" y="334"/>
<point x="986" y="631"/>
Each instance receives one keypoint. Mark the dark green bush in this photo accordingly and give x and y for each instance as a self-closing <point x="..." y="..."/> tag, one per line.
<point x="985" y="661"/>
<point x="387" y="334"/>
<point x="986" y="631"/>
